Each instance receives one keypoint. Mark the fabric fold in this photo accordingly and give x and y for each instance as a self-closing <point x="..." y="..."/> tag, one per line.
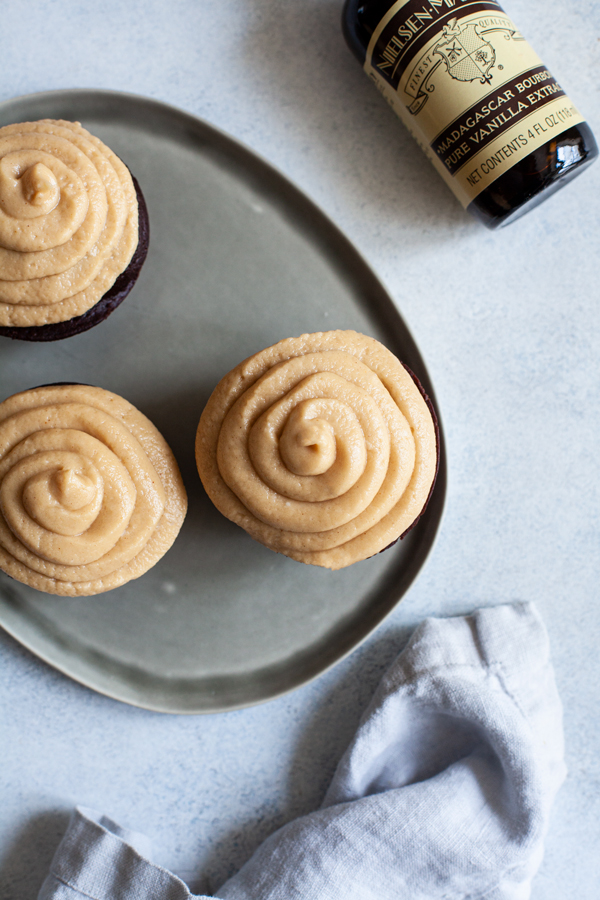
<point x="445" y="791"/>
<point x="100" y="860"/>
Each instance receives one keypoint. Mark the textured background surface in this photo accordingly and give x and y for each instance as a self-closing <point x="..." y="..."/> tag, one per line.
<point x="509" y="329"/>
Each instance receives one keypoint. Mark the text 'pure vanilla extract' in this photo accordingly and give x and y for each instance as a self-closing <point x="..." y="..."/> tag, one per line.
<point x="489" y="115"/>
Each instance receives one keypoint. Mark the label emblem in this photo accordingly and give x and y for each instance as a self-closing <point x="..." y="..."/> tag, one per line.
<point x="468" y="86"/>
<point x="468" y="56"/>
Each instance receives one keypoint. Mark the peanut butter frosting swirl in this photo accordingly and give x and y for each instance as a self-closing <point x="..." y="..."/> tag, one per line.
<point x="90" y="493"/>
<point x="68" y="221"/>
<point x="322" y="447"/>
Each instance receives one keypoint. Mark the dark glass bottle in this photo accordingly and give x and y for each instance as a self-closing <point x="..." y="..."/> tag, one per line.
<point x="532" y="178"/>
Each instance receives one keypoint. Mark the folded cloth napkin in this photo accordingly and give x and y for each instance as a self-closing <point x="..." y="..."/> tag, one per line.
<point x="445" y="791"/>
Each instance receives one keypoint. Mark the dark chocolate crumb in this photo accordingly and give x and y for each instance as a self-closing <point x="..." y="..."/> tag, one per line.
<point x="437" y="456"/>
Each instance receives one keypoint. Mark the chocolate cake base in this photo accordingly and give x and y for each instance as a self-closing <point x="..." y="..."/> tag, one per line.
<point x="437" y="457"/>
<point x="109" y="302"/>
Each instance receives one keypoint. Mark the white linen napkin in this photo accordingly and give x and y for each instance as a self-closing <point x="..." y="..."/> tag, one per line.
<point x="444" y="793"/>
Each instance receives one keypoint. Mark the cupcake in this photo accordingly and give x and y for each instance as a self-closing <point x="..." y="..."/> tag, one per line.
<point x="73" y="230"/>
<point x="90" y="493"/>
<point x="323" y="447"/>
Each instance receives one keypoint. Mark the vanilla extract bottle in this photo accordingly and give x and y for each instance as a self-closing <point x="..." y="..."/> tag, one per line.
<point x="489" y="115"/>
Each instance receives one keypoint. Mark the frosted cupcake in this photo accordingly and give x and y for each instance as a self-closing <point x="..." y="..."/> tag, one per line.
<point x="73" y="230"/>
<point x="90" y="493"/>
<point x="323" y="447"/>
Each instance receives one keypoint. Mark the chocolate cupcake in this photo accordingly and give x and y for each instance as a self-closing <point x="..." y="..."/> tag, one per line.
<point x="322" y="447"/>
<point x="73" y="230"/>
<point x="90" y="493"/>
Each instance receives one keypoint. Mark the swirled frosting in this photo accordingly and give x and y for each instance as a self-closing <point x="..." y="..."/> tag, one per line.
<point x="322" y="447"/>
<point x="68" y="221"/>
<point x="90" y="493"/>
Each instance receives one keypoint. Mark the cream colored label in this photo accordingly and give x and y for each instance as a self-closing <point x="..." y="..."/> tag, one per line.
<point x="468" y="87"/>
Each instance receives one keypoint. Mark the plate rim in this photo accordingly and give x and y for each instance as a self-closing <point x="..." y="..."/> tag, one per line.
<point x="438" y="499"/>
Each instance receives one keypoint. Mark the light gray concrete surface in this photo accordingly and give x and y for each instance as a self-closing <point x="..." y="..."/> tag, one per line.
<point x="508" y="325"/>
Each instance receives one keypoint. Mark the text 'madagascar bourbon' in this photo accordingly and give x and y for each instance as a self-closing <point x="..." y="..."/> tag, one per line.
<point x="469" y="87"/>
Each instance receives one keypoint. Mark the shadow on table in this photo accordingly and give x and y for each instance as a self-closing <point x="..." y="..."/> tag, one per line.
<point x="27" y="862"/>
<point x="333" y="116"/>
<point x="324" y="739"/>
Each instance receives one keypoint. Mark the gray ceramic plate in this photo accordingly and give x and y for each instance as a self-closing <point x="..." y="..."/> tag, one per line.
<point x="239" y="259"/>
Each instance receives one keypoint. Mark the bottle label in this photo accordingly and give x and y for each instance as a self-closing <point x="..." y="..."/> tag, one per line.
<point x="468" y="87"/>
